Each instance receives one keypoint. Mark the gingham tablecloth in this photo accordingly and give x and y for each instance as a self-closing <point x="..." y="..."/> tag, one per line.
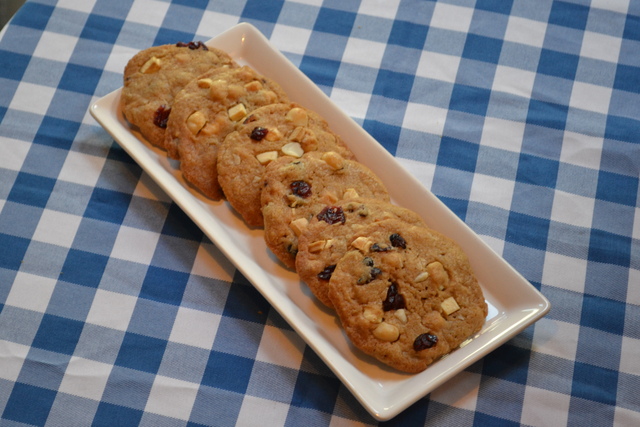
<point x="522" y="116"/>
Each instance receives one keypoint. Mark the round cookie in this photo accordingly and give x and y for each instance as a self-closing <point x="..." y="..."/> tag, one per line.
<point x="205" y="112"/>
<point x="154" y="76"/>
<point x="295" y="190"/>
<point x="407" y="295"/>
<point x="324" y="242"/>
<point x="266" y="134"/>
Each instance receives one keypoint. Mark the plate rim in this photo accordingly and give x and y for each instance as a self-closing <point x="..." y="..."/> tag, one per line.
<point x="241" y="42"/>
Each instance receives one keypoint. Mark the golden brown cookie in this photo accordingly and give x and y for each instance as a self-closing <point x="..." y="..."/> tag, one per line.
<point x="267" y="133"/>
<point x="327" y="237"/>
<point x="296" y="190"/>
<point x="154" y="76"/>
<point x="406" y="294"/>
<point x="205" y="112"/>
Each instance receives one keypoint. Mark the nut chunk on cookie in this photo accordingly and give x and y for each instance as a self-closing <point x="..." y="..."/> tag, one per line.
<point x="267" y="133"/>
<point x="154" y="76"/>
<point x="407" y="298"/>
<point x="297" y="189"/>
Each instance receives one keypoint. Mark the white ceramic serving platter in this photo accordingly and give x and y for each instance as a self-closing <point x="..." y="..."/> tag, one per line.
<point x="513" y="302"/>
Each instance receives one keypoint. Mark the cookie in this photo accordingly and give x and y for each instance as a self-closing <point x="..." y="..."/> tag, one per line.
<point x="324" y="241"/>
<point x="296" y="190"/>
<point x="154" y="76"/>
<point x="205" y="112"/>
<point x="406" y="294"/>
<point x="266" y="134"/>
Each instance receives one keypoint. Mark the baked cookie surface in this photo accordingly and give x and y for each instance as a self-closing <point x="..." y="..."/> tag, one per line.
<point x="295" y="190"/>
<point x="154" y="76"/>
<point x="205" y="112"/>
<point x="323" y="243"/>
<point x="407" y="295"/>
<point x="267" y="133"/>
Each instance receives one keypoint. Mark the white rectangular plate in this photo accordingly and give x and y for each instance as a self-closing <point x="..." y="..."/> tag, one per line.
<point x="513" y="303"/>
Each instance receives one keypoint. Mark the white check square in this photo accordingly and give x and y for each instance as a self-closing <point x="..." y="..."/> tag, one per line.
<point x="502" y="134"/>
<point x="451" y="17"/>
<point x="32" y="98"/>
<point x="600" y="46"/>
<point x="581" y="150"/>
<point x="425" y="118"/>
<point x="13" y="356"/>
<point x="148" y="12"/>
<point x="172" y="397"/>
<point x="556" y="338"/>
<point x="572" y="209"/>
<point x="460" y="391"/>
<point x="438" y="66"/>
<point x="111" y="310"/>
<point x="271" y="413"/>
<point x="555" y="412"/>
<point x="31" y="292"/>
<point x="195" y="328"/>
<point x="280" y="347"/>
<point x="492" y="190"/>
<point x="363" y="52"/>
<point x="80" y="168"/>
<point x="354" y="104"/>
<point x="525" y="31"/>
<point x="133" y="244"/>
<point x="85" y="378"/>
<point x="55" y="46"/>
<point x="564" y="272"/>
<point x="629" y="354"/>
<point x="57" y="228"/>
<point x="590" y="97"/>
<point x="290" y="39"/>
<point x="514" y="81"/>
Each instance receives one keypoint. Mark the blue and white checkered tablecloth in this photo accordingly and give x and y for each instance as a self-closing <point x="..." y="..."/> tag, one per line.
<point x="522" y="116"/>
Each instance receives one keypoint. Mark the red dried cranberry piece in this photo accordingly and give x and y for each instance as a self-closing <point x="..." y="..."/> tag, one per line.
<point x="397" y="241"/>
<point x="193" y="45"/>
<point x="377" y="248"/>
<point x="258" y="133"/>
<point x="424" y="341"/>
<point x="332" y="215"/>
<point x="161" y="116"/>
<point x="301" y="189"/>
<point x="327" y="272"/>
<point x="394" y="301"/>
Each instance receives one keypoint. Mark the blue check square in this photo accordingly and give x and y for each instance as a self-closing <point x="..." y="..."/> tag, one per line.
<point x="29" y="404"/>
<point x="481" y="48"/>
<point x="32" y="190"/>
<point x="527" y="230"/>
<point x="569" y="15"/>
<point x="322" y="71"/>
<point x="470" y="99"/>
<point x="58" y="334"/>
<point x="617" y="188"/>
<point x="315" y="391"/>
<point x="334" y="21"/>
<point x="12" y="251"/>
<point x="262" y="11"/>
<point x="108" y="205"/>
<point x="58" y="133"/>
<point x="109" y="414"/>
<point x="228" y="372"/>
<point x="594" y="383"/>
<point x="33" y="15"/>
<point x="80" y="78"/>
<point x="163" y="285"/>
<point x="83" y="268"/>
<point x="102" y="28"/>
<point x="169" y="36"/>
<point x="408" y="34"/>
<point x="458" y="154"/>
<point x="609" y="248"/>
<point x="13" y="66"/>
<point x="558" y="64"/>
<point x="386" y="134"/>
<point x="537" y="171"/>
<point x="141" y="352"/>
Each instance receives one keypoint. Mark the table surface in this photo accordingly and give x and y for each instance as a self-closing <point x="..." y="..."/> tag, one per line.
<point x="522" y="117"/>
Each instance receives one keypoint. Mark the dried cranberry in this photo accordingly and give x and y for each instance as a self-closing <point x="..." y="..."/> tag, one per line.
<point x="397" y="241"/>
<point x="394" y="301"/>
<point x="301" y="189"/>
<point x="332" y="215"/>
<point x="424" y="341"/>
<point x="368" y="261"/>
<point x="327" y="272"/>
<point x="161" y="116"/>
<point x="193" y="45"/>
<point x="258" y="133"/>
<point x="377" y="248"/>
